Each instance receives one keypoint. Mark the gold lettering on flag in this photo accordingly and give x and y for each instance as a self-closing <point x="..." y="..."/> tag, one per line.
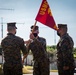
<point x="49" y="12"/>
<point x="43" y="8"/>
<point x="55" y="27"/>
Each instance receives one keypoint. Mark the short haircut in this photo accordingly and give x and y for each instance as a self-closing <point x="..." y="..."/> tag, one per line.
<point x="10" y="28"/>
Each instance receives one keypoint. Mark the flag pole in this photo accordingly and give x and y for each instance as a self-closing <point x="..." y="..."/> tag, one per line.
<point x="34" y="26"/>
<point x="32" y="32"/>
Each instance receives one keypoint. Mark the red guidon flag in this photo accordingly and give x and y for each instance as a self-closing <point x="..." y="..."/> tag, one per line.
<point x="45" y="16"/>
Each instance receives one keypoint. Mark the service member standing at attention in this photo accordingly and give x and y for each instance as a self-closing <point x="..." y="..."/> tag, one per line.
<point x="12" y="46"/>
<point x="65" y="45"/>
<point x="38" y="48"/>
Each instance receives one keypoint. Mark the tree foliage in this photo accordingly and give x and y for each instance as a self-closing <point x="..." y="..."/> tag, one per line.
<point x="52" y="50"/>
<point x="0" y="46"/>
<point x="74" y="52"/>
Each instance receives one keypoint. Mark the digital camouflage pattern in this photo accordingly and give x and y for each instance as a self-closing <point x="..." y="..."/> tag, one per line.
<point x="12" y="47"/>
<point x="65" y="55"/>
<point x="41" y="60"/>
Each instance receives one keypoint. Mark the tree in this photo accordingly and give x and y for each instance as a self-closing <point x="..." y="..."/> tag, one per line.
<point x="74" y="52"/>
<point x="0" y="46"/>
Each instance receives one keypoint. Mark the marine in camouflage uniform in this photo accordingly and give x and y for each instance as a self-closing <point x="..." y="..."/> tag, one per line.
<point x="38" y="48"/>
<point x="12" y="47"/>
<point x="65" y="61"/>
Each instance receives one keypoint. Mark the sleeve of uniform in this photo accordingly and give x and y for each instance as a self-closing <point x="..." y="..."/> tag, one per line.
<point x="43" y="42"/>
<point x="37" y="42"/>
<point x="66" y="51"/>
<point x="23" y="47"/>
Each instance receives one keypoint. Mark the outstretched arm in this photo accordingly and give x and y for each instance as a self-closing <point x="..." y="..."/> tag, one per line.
<point x="24" y="58"/>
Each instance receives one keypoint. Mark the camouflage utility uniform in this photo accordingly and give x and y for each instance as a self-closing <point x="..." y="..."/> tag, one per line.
<point x="41" y="61"/>
<point x="65" y="55"/>
<point x="12" y="46"/>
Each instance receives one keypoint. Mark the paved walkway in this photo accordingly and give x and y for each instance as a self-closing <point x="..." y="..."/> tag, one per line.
<point x="51" y="73"/>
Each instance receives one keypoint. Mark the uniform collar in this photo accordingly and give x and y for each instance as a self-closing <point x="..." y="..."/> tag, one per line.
<point x="64" y="35"/>
<point x="10" y="34"/>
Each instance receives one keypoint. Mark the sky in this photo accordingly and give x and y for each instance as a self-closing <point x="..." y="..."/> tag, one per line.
<point x="24" y="12"/>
